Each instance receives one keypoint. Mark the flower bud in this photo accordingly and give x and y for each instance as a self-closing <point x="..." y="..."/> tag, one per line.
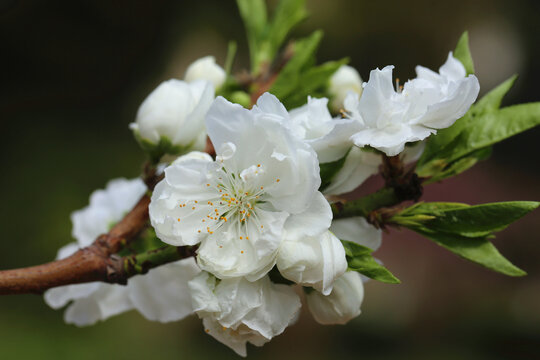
<point x="313" y="261"/>
<point x="343" y="303"/>
<point x="171" y="119"/>
<point x="344" y="80"/>
<point x="206" y="68"/>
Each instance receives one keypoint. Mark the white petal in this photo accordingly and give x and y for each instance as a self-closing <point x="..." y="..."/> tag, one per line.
<point x="358" y="230"/>
<point x="358" y="166"/>
<point x="312" y="261"/>
<point x="343" y="303"/>
<point x="58" y="297"/>
<point x="313" y="221"/>
<point x="206" y="68"/>
<point x="163" y="294"/>
<point x="106" y="207"/>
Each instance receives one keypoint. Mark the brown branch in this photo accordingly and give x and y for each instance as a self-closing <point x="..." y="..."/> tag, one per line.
<point x="94" y="263"/>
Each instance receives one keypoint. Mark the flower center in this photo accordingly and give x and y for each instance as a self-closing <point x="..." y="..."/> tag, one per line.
<point x="237" y="198"/>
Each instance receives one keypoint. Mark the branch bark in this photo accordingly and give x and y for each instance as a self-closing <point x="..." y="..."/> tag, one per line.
<point x="94" y="263"/>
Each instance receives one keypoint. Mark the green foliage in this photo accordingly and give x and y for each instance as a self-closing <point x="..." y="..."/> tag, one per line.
<point x="477" y="250"/>
<point x="300" y="78"/>
<point x="265" y="36"/>
<point x="359" y="259"/>
<point x="303" y="53"/>
<point x="465" y="229"/>
<point x="312" y="82"/>
<point x="469" y="140"/>
<point x="457" y="148"/>
<point x="463" y="53"/>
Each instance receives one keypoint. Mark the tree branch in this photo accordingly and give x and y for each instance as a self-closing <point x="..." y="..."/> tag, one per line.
<point x="93" y="263"/>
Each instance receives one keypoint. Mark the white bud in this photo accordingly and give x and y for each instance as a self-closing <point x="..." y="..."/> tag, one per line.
<point x="206" y="68"/>
<point x="344" y="80"/>
<point x="343" y="303"/>
<point x="175" y="112"/>
<point x="313" y="261"/>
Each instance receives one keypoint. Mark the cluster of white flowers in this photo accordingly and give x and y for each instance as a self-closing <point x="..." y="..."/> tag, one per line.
<point x="257" y="209"/>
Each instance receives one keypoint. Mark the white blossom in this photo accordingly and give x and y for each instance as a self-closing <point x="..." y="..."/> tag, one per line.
<point x="329" y="137"/>
<point x="236" y="311"/>
<point x="432" y="101"/>
<point x="160" y="295"/>
<point x="173" y="115"/>
<point x="357" y="230"/>
<point x="263" y="182"/>
<point x="357" y="167"/>
<point x="314" y="261"/>
<point x="206" y="68"/>
<point x="343" y="303"/>
<point x="346" y="79"/>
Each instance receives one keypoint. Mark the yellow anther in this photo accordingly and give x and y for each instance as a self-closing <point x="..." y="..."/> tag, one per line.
<point x="199" y="231"/>
<point x="241" y="252"/>
<point x="178" y="219"/>
<point x="241" y="237"/>
<point x="247" y="237"/>
<point x="207" y="184"/>
<point x="277" y="180"/>
<point x="258" y="165"/>
<point x="193" y="208"/>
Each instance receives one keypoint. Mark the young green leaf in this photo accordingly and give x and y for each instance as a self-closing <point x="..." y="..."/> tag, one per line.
<point x="359" y="259"/>
<point x="457" y="148"/>
<point x="313" y="82"/>
<point x="253" y="13"/>
<point x="477" y="250"/>
<point x="463" y="53"/>
<point x="289" y="77"/>
<point x="287" y="15"/>
<point x="468" y="221"/>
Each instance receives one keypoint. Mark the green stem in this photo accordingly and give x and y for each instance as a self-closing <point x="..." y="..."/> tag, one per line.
<point x="141" y="263"/>
<point x="362" y="207"/>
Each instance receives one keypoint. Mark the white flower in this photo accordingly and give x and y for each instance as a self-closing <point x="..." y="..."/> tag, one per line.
<point x="173" y="115"/>
<point x="263" y="182"/>
<point x="389" y="119"/>
<point x="358" y="230"/>
<point x="236" y="311"/>
<point x="346" y="79"/>
<point x="159" y="295"/>
<point x="314" y="261"/>
<point x="206" y="68"/>
<point x="329" y="137"/>
<point x="357" y="167"/>
<point x="343" y="303"/>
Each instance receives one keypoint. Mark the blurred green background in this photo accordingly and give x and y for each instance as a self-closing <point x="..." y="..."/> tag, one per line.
<point x="73" y="75"/>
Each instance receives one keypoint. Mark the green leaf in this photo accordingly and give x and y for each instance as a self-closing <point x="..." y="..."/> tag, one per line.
<point x="496" y="126"/>
<point x="459" y="166"/>
<point x="312" y="82"/>
<point x="469" y="221"/>
<point x="441" y="145"/>
<point x="359" y="259"/>
<point x="463" y="53"/>
<point x="471" y="136"/>
<point x="477" y="250"/>
<point x="289" y="77"/>
<point x="253" y="13"/>
<point x="288" y="13"/>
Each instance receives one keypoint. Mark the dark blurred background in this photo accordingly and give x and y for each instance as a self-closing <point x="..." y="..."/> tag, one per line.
<point x="72" y="76"/>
